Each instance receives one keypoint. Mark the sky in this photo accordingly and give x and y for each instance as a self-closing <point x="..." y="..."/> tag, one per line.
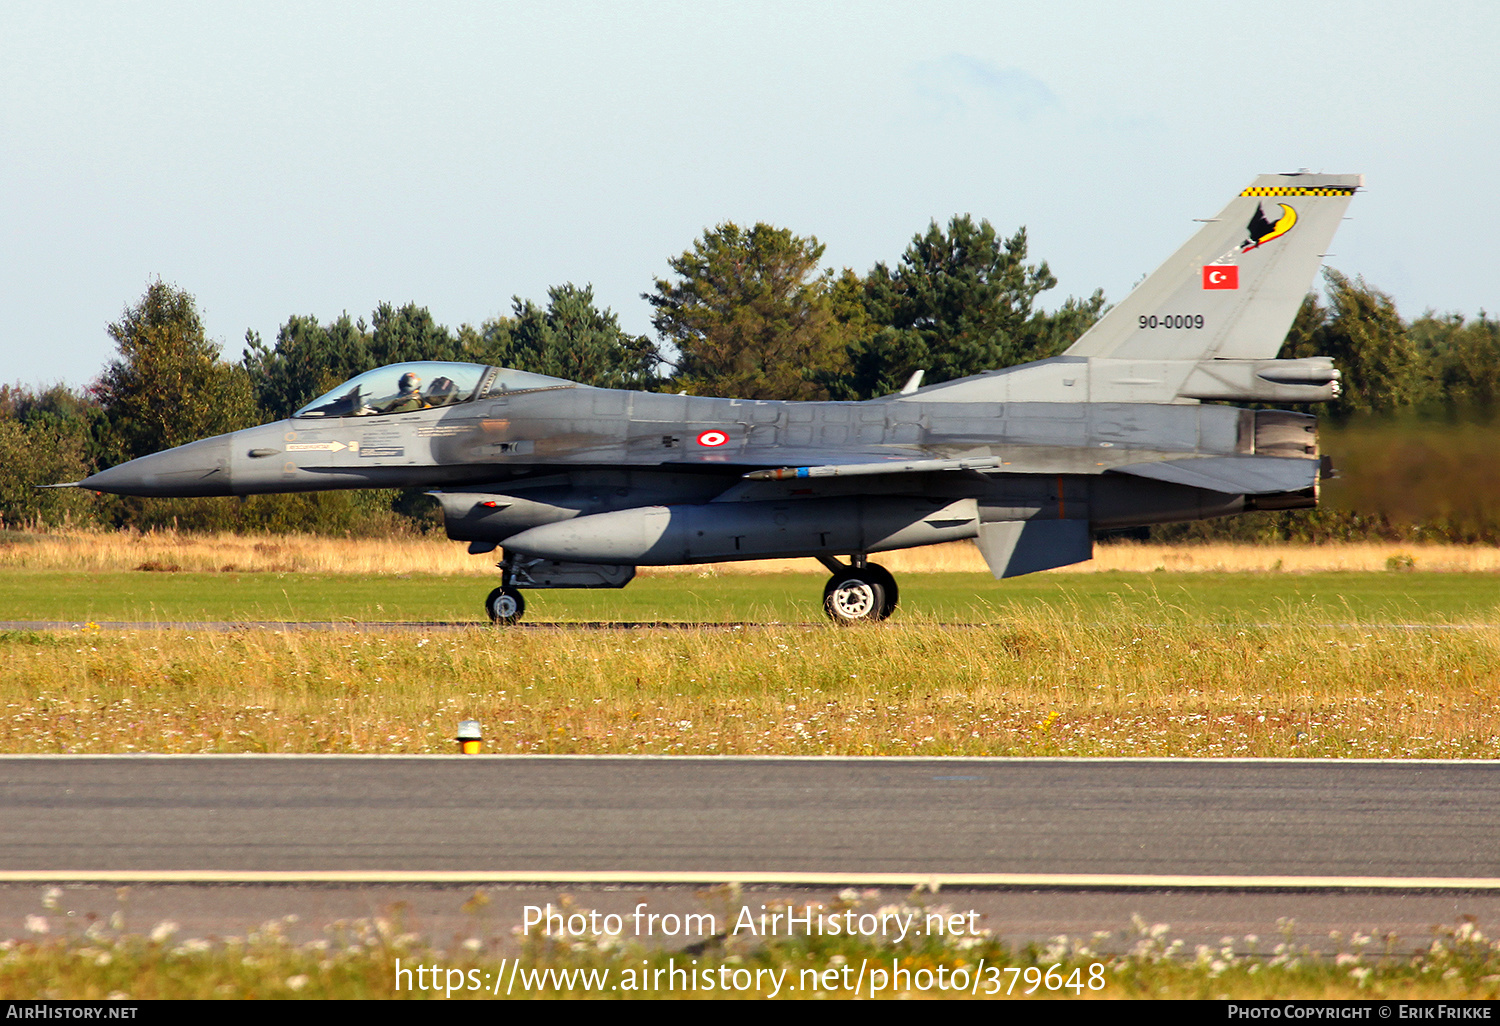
<point x="315" y="158"/>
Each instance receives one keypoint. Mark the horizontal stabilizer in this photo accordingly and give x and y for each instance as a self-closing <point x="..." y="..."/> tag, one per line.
<point x="1233" y="475"/>
<point x="1016" y="547"/>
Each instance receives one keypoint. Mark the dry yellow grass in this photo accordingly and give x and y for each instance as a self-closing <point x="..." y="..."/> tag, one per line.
<point x="112" y="551"/>
<point x="1132" y="556"/>
<point x="1037" y="683"/>
<point x="105" y="551"/>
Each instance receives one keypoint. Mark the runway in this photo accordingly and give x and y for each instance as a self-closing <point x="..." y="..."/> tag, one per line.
<point x="787" y="820"/>
<point x="453" y="847"/>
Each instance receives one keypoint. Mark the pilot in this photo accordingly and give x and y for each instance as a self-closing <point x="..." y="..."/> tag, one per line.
<point x="441" y="392"/>
<point x="410" y="396"/>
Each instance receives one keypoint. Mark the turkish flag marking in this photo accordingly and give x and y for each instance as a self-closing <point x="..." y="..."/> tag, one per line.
<point x="1221" y="276"/>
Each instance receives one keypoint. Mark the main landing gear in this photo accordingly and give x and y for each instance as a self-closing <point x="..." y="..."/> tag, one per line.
<point x="505" y="606"/>
<point x="860" y="592"/>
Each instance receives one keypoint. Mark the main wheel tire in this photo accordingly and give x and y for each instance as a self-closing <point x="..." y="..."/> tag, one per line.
<point x="505" y="606"/>
<point x="881" y="576"/>
<point x="854" y="597"/>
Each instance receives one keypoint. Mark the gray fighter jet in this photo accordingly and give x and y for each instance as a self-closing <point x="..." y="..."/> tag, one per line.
<point x="582" y="485"/>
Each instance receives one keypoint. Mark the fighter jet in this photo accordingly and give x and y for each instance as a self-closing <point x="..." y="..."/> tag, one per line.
<point x="579" y="486"/>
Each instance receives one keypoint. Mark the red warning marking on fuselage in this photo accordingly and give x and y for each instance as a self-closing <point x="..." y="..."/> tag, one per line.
<point x="712" y="439"/>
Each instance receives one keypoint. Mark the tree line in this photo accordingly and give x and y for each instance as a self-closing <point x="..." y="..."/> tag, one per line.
<point x="745" y="312"/>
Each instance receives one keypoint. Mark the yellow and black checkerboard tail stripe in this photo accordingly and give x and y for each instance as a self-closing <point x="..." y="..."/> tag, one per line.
<point x="1293" y="190"/>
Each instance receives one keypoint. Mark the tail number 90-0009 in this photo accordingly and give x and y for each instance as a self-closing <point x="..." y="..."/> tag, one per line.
<point x="1171" y="321"/>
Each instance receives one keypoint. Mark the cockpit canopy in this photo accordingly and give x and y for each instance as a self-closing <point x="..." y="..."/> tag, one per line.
<point x="422" y="385"/>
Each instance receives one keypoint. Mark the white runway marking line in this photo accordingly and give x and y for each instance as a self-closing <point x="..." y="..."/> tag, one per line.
<point x="931" y="881"/>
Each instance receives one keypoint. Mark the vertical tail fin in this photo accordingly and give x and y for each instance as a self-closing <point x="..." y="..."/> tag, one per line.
<point x="1233" y="290"/>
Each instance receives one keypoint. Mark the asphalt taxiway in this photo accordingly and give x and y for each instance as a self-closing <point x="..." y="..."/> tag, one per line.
<point x="780" y="819"/>
<point x="1280" y="850"/>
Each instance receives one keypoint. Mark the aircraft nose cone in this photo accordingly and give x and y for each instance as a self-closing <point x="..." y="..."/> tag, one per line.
<point x="198" y="468"/>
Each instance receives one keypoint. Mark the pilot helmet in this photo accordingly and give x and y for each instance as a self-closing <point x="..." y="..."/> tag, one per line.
<point x="409" y="382"/>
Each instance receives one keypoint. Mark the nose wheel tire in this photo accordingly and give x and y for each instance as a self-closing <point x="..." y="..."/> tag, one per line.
<point x="505" y="606"/>
<point x="858" y="596"/>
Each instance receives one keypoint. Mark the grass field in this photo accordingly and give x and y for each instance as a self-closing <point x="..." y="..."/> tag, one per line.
<point x="167" y="576"/>
<point x="1162" y="665"/>
<point x="1155" y="662"/>
<point x="359" y="959"/>
<point x="711" y="597"/>
<point x="168" y="551"/>
<point x="1322" y="653"/>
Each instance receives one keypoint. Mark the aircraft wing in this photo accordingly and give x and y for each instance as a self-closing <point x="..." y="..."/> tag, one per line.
<point x="1234" y="475"/>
